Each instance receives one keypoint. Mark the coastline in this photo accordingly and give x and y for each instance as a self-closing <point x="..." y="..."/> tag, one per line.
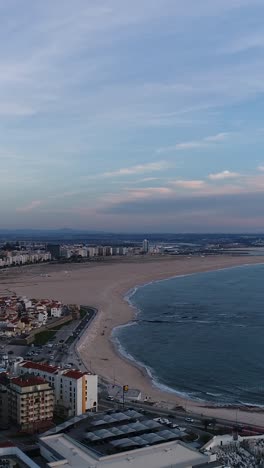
<point x="149" y="372"/>
<point x="104" y="287"/>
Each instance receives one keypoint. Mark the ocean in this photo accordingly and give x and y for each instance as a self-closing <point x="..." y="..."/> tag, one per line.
<point x="201" y="335"/>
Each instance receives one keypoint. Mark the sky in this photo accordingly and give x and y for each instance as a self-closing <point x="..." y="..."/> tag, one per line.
<point x="132" y="116"/>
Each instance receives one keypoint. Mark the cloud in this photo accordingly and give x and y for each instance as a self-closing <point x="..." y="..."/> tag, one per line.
<point x="219" y="137"/>
<point x="242" y="204"/>
<point x="261" y="168"/>
<point x="30" y="207"/>
<point x="224" y="175"/>
<point x="189" y="145"/>
<point x="189" y="184"/>
<point x="245" y="43"/>
<point x="148" y="179"/>
<point x="138" y="169"/>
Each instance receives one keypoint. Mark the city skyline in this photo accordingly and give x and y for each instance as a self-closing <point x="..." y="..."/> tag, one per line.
<point x="136" y="116"/>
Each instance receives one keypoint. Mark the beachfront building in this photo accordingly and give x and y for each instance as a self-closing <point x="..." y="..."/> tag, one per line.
<point x="145" y="246"/>
<point x="75" y="392"/>
<point x="31" y="402"/>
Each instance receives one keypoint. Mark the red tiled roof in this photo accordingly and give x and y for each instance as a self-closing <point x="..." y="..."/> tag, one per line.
<point x="28" y="381"/>
<point x="41" y="367"/>
<point x="74" y="374"/>
<point x="6" y="443"/>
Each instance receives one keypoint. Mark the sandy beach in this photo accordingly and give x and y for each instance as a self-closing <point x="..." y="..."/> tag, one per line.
<point x="104" y="286"/>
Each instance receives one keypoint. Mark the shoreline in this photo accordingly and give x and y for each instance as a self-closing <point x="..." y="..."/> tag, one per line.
<point x="147" y="371"/>
<point x="104" y="287"/>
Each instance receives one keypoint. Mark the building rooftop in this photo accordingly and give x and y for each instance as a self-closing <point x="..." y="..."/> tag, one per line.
<point x="41" y="367"/>
<point x="118" y="431"/>
<point x="74" y="374"/>
<point x="28" y="381"/>
<point x="70" y="453"/>
<point x="13" y="456"/>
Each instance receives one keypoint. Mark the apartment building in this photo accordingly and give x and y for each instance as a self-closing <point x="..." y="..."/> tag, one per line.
<point x="75" y="392"/>
<point x="31" y="402"/>
<point x="4" y="419"/>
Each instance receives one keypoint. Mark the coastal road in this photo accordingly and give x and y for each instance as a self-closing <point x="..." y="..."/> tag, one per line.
<point x="65" y="345"/>
<point x="181" y="416"/>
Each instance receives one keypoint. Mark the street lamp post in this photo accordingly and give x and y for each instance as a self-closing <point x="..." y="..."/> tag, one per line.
<point x="125" y="389"/>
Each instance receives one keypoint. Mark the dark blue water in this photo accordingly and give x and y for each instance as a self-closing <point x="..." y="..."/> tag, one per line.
<point x="202" y="334"/>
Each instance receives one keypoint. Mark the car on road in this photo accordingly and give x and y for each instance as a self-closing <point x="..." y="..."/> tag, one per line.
<point x="110" y="398"/>
<point x="190" y="420"/>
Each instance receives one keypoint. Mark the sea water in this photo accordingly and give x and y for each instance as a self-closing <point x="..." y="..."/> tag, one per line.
<point x="201" y="335"/>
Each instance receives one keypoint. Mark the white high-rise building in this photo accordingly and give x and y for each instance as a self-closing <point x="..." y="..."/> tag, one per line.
<point x="145" y="246"/>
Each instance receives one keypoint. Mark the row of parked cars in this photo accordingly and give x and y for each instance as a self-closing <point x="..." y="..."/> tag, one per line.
<point x="167" y="422"/>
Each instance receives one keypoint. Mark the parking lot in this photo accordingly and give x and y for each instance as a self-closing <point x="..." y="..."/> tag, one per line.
<point x="60" y="349"/>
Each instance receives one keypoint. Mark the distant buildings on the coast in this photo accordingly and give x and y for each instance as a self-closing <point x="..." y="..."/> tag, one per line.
<point x="28" y="252"/>
<point x="69" y="251"/>
<point x="145" y="246"/>
<point x="74" y="251"/>
<point x="19" y="254"/>
<point x="16" y="258"/>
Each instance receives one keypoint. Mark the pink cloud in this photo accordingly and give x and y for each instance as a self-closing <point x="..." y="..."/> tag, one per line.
<point x="189" y="184"/>
<point x="30" y="207"/>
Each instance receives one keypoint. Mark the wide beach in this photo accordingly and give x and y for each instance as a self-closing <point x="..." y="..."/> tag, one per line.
<point x="104" y="286"/>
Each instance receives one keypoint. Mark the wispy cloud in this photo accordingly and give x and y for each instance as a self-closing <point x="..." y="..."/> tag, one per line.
<point x="148" y="179"/>
<point x="245" y="43"/>
<point x="30" y="207"/>
<point x="224" y="175"/>
<point x="261" y="168"/>
<point x="196" y="144"/>
<point x="138" y="169"/>
<point x="189" y="184"/>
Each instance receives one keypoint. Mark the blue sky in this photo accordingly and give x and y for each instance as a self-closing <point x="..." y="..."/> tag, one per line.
<point x="135" y="115"/>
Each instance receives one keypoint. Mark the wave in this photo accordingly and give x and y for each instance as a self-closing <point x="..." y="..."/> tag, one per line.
<point x="150" y="372"/>
<point x="226" y="396"/>
<point x="157" y="321"/>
